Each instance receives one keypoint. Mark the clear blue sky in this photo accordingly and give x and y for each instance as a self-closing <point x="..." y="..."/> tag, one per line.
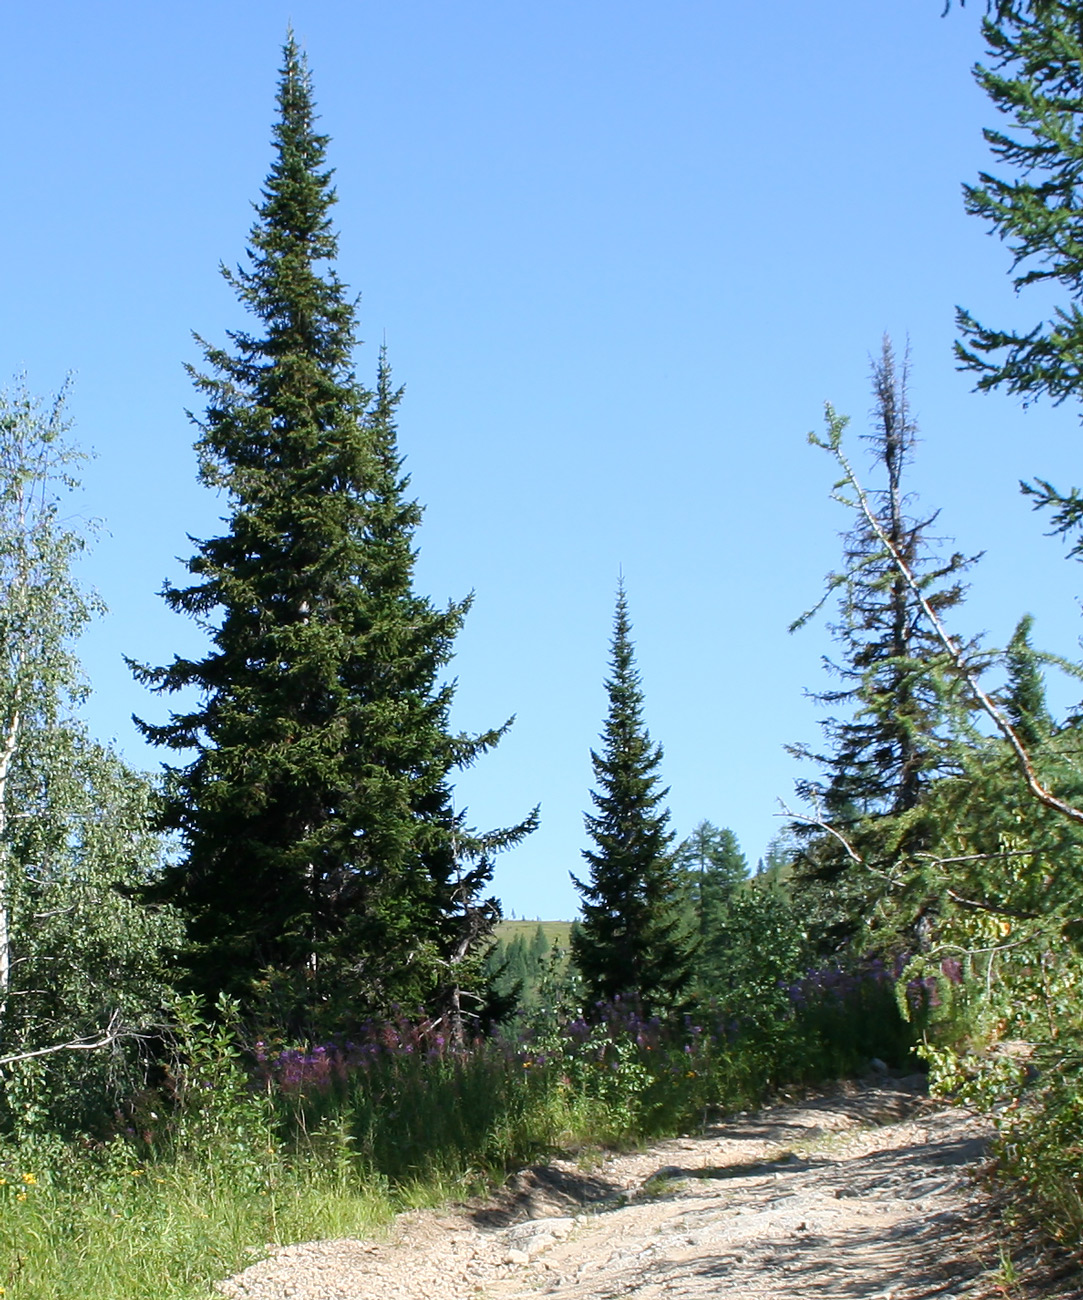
<point x="621" y="253"/>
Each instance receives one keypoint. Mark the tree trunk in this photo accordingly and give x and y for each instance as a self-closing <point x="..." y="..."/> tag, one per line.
<point x="7" y="753"/>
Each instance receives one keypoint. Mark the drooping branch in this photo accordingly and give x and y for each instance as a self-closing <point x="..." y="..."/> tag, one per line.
<point x="1042" y="793"/>
<point x="824" y="825"/>
<point x="997" y="909"/>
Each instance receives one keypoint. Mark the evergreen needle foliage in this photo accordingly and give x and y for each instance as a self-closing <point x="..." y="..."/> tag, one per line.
<point x="631" y="942"/>
<point x="887" y="744"/>
<point x="711" y="867"/>
<point x="325" y="872"/>
<point x="1035" y="79"/>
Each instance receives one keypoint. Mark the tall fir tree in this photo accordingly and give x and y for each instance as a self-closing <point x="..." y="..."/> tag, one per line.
<point x="1035" y="79"/>
<point x="890" y="743"/>
<point x="324" y="868"/>
<point x="631" y="941"/>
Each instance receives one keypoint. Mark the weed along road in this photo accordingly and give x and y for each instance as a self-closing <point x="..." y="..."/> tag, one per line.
<point x="866" y="1193"/>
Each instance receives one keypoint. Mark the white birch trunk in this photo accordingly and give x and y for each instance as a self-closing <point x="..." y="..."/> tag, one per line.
<point x="7" y="753"/>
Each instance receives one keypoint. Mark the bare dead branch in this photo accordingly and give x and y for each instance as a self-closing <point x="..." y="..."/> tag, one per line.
<point x="110" y="1034"/>
<point x="1044" y="795"/>
<point x="824" y="825"/>
<point x="977" y="857"/>
<point x="995" y="908"/>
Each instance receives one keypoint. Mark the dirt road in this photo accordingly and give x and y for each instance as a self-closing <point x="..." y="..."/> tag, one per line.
<point x="864" y="1194"/>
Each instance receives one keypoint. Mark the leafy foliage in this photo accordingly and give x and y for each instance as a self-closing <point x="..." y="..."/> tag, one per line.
<point x="81" y="963"/>
<point x="984" y="907"/>
<point x="286" y="1144"/>
<point x="1004" y="968"/>
<point x="749" y="943"/>
<point x="755" y="948"/>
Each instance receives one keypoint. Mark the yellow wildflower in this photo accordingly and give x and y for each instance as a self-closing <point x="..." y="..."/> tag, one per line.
<point x="29" y="1180"/>
<point x="21" y="1196"/>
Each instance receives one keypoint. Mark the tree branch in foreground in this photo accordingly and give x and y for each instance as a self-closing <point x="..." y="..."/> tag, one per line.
<point x="1042" y="793"/>
<point x="109" y="1035"/>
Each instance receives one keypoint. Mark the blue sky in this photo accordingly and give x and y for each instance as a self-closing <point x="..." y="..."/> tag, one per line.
<point x="621" y="253"/>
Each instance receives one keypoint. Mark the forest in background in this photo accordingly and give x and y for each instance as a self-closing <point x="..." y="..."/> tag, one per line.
<point x="260" y="998"/>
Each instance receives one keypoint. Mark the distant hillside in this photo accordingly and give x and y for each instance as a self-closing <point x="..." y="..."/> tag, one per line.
<point x="556" y="932"/>
<point x="529" y="964"/>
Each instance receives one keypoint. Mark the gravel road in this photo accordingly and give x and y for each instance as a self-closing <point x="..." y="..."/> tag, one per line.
<point x="863" y="1194"/>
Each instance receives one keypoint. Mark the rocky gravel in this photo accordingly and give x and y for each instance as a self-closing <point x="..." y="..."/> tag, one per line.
<point x="866" y="1193"/>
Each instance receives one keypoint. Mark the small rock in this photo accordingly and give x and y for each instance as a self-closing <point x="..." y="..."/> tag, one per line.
<point x="521" y="1234"/>
<point x="516" y="1257"/>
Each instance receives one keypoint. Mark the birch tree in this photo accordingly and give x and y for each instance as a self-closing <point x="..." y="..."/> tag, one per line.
<point x="40" y="607"/>
<point x="80" y="963"/>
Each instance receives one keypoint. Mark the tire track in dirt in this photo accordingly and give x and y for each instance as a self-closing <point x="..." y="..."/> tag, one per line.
<point x="865" y="1193"/>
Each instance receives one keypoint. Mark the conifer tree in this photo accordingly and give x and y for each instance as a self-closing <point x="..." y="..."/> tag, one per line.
<point x="539" y="946"/>
<point x="1024" y="697"/>
<point x="1035" y="79"/>
<point x="710" y="866"/>
<point x="630" y="942"/>
<point x="712" y="848"/>
<point x="324" y="866"/>
<point x="890" y="743"/>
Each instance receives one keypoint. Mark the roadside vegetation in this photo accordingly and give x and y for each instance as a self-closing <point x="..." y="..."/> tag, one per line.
<point x="265" y="998"/>
<point x="238" y="1144"/>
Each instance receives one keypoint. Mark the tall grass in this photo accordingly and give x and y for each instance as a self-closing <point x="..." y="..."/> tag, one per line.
<point x="238" y="1150"/>
<point x="97" y="1226"/>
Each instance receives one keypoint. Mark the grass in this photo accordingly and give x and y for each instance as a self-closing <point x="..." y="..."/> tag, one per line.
<point x="556" y="932"/>
<point x="334" y="1141"/>
<point x="165" y="1218"/>
<point x="169" y="1231"/>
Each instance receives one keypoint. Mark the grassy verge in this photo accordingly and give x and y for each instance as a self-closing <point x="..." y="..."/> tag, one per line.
<point x="244" y="1150"/>
<point x="113" y="1230"/>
